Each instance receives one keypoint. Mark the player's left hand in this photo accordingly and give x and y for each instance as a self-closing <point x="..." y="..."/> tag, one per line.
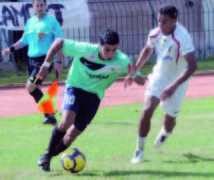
<point x="168" y="92"/>
<point x="131" y="69"/>
<point x="128" y="81"/>
<point x="6" y="52"/>
<point x="43" y="73"/>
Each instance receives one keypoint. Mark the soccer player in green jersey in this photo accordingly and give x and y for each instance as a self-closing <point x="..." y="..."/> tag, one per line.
<point x="40" y="32"/>
<point x="95" y="67"/>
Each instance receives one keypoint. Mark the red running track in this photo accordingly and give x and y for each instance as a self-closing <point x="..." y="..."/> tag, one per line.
<point x="16" y="101"/>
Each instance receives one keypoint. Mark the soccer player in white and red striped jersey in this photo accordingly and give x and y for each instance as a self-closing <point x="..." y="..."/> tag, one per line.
<point x="170" y="77"/>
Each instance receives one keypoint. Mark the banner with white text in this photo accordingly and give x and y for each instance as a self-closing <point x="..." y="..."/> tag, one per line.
<point x="72" y="14"/>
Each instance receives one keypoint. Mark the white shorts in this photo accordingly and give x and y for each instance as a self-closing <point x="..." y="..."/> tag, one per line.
<point x="173" y="105"/>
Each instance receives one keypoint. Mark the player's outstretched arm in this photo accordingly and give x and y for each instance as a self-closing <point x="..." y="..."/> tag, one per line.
<point x="189" y="70"/>
<point x="138" y="79"/>
<point x="6" y="52"/>
<point x="55" y="47"/>
<point x="144" y="56"/>
<point x="58" y="64"/>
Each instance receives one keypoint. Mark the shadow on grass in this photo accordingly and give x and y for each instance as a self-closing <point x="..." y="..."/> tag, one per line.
<point x="147" y="172"/>
<point x="191" y="158"/>
<point x="55" y="173"/>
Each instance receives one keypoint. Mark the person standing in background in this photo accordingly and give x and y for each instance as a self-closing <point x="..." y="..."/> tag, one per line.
<point x="40" y="32"/>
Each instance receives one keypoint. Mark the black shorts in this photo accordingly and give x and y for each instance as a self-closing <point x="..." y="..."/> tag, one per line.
<point x="84" y="103"/>
<point x="33" y="68"/>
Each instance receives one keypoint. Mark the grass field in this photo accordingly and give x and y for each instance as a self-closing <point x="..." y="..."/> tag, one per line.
<point x="109" y="143"/>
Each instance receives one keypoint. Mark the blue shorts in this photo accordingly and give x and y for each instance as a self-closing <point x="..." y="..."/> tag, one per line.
<point x="33" y="68"/>
<point x="83" y="103"/>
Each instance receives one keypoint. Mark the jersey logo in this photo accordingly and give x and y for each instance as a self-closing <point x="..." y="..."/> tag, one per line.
<point x="91" y="65"/>
<point x="99" y="76"/>
<point x="41" y="35"/>
<point x="90" y="56"/>
<point x="165" y="58"/>
<point x="110" y="69"/>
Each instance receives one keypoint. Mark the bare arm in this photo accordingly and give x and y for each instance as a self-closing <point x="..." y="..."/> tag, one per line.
<point x="54" y="49"/>
<point x="18" y="45"/>
<point x="58" y="63"/>
<point x="59" y="56"/>
<point x="15" y="46"/>
<point x="132" y="69"/>
<point x="190" y="69"/>
<point x="144" y="56"/>
<point x="138" y="79"/>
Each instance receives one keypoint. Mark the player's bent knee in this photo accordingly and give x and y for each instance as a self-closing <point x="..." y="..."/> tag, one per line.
<point x="68" y="118"/>
<point x="148" y="112"/>
<point x="71" y="135"/>
<point x="74" y="132"/>
<point x="64" y="126"/>
<point x="30" y="88"/>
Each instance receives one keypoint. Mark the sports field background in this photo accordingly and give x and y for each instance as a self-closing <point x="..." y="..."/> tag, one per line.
<point x="109" y="143"/>
<point x="110" y="140"/>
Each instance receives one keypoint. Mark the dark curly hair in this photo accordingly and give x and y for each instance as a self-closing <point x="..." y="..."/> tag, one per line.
<point x="43" y="0"/>
<point x="110" y="37"/>
<point x="169" y="10"/>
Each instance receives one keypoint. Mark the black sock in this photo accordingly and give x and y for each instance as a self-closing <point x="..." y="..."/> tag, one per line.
<point x="47" y="115"/>
<point x="56" y="137"/>
<point x="60" y="148"/>
<point x="37" y="94"/>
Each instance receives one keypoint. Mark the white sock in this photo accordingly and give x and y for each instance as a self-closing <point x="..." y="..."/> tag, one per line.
<point x="140" y="143"/>
<point x="164" y="132"/>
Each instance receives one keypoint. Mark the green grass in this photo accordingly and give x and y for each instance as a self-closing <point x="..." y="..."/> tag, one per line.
<point x="207" y="64"/>
<point x="22" y="77"/>
<point x="109" y="142"/>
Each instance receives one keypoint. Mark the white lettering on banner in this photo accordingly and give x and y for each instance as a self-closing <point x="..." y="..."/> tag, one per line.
<point x="73" y="14"/>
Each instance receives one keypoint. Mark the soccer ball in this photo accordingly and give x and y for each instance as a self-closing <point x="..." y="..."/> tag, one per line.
<point x="73" y="160"/>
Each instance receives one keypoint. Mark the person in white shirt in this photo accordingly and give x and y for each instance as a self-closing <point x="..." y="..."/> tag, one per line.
<point x="170" y="77"/>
